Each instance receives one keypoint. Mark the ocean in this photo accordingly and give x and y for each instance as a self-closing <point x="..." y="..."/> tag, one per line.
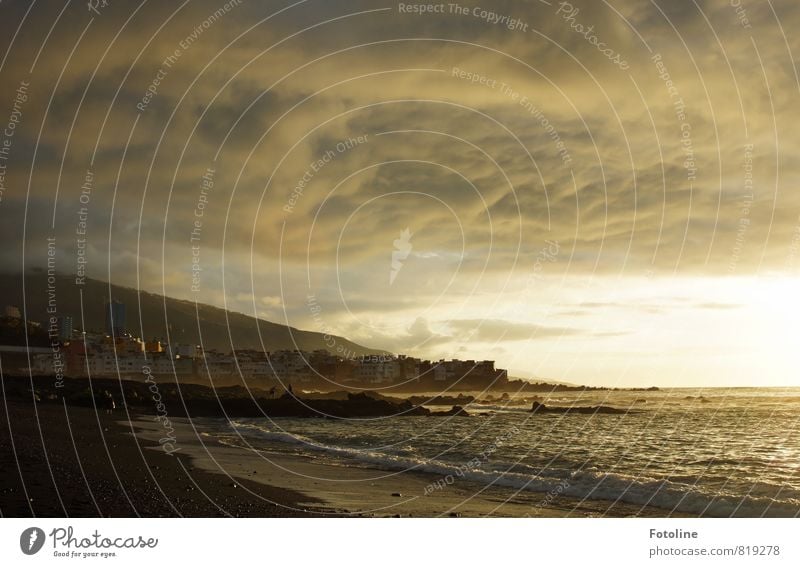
<point x="709" y="452"/>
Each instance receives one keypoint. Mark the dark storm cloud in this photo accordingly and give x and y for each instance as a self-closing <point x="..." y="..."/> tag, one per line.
<point x="623" y="202"/>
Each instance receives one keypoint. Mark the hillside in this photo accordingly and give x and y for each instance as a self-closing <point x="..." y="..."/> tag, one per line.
<point x="162" y="317"/>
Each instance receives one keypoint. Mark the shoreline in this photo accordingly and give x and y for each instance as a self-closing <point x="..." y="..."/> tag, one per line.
<point x="67" y="461"/>
<point x="78" y="462"/>
<point x="349" y="488"/>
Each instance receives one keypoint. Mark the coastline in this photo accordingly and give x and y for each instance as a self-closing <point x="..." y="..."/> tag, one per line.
<point x="352" y="489"/>
<point x="77" y="462"/>
<point x="67" y="461"/>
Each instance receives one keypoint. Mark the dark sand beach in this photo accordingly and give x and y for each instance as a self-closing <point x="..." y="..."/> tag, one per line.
<point x="76" y="462"/>
<point x="343" y="487"/>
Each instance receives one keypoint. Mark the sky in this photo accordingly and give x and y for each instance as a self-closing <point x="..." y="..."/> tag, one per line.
<point x="596" y="192"/>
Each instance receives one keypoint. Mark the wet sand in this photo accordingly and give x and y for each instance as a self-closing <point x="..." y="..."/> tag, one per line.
<point x="77" y="462"/>
<point x="350" y="488"/>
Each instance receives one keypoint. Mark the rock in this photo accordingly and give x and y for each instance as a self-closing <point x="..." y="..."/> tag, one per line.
<point x="591" y="410"/>
<point x="397" y="494"/>
<point x="455" y="410"/>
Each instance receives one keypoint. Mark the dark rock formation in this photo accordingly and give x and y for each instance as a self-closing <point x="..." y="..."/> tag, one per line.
<point x="460" y="400"/>
<point x="538" y="407"/>
<point x="182" y="400"/>
<point x="455" y="410"/>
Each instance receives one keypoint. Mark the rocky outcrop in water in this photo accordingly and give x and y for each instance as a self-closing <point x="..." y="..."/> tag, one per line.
<point x="538" y="407"/>
<point x="454" y="411"/>
<point x="182" y="400"/>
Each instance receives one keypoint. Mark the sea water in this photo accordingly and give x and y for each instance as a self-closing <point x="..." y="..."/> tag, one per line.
<point x="713" y="452"/>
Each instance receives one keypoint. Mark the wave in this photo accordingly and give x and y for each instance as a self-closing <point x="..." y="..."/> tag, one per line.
<point x="577" y="483"/>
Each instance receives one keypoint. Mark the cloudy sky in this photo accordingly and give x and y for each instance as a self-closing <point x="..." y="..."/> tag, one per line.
<point x="600" y="192"/>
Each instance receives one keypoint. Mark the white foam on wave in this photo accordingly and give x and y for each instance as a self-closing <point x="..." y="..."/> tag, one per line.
<point x="584" y="484"/>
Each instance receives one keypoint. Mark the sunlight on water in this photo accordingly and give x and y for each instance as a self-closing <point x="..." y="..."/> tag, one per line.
<point x="712" y="452"/>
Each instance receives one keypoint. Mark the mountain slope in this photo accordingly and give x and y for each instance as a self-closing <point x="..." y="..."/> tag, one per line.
<point x="161" y="317"/>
